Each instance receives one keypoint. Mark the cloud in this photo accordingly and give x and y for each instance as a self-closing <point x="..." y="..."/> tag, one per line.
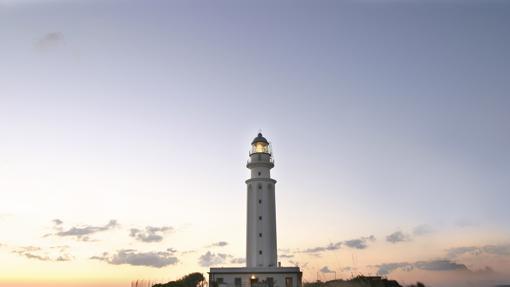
<point x="314" y="250"/>
<point x="81" y="232"/>
<point x="397" y="236"/>
<point x="464" y="222"/>
<point x="422" y="229"/>
<point x="432" y="265"/>
<point x="219" y="244"/>
<point x="211" y="259"/>
<point x="458" y="251"/>
<point x="358" y="243"/>
<point x="439" y="265"/>
<point x="50" y="40"/>
<point x="57" y="221"/>
<point x="326" y="269"/>
<point x="329" y="247"/>
<point x="150" y="234"/>
<point x="238" y="261"/>
<point x="31" y="252"/>
<point x="484" y="271"/>
<point x="55" y="253"/>
<point x="135" y="258"/>
<point x="387" y="268"/>
<point x="501" y="250"/>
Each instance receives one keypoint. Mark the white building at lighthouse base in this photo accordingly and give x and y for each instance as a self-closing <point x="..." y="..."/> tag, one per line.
<point x="255" y="277"/>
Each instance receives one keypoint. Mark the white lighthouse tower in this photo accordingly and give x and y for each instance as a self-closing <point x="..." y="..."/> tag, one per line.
<point x="261" y="268"/>
<point x="261" y="217"/>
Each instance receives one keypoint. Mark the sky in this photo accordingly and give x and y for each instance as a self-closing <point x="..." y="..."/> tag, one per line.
<point x="125" y="128"/>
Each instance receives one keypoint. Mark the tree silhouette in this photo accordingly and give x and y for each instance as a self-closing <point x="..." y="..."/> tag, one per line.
<point x="191" y="280"/>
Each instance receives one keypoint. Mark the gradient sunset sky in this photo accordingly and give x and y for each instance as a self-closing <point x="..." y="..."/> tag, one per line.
<point x="125" y="128"/>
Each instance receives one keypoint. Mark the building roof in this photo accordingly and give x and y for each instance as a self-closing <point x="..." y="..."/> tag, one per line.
<point x="239" y="270"/>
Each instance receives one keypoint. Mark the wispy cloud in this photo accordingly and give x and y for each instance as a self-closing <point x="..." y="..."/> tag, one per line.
<point x="218" y="244"/>
<point x="238" y="261"/>
<point x="432" y="265"/>
<point x="49" y="40"/>
<point x="439" y="265"/>
<point x="495" y="249"/>
<point x="135" y="258"/>
<point x="81" y="233"/>
<point x="357" y="243"/>
<point x="32" y="252"/>
<point x="57" y="221"/>
<point x="331" y="246"/>
<point x="398" y="236"/>
<point x="150" y="234"/>
<point x="55" y="253"/>
<point x="387" y="268"/>
<point x="464" y="222"/>
<point x="503" y="249"/>
<point x="458" y="251"/>
<point x="212" y="259"/>
<point x="422" y="229"/>
<point x="360" y="243"/>
<point x="326" y="269"/>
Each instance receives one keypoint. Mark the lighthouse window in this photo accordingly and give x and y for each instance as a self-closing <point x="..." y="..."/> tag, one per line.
<point x="260" y="234"/>
<point x="260" y="186"/>
<point x="260" y="252"/>
<point x="259" y="173"/>
<point x="260" y="200"/>
<point x="260" y="217"/>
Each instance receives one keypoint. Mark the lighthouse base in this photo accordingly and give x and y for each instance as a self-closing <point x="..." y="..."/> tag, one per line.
<point x="255" y="277"/>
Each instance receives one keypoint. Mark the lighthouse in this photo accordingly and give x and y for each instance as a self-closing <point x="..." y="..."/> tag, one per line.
<point x="262" y="269"/>
<point x="261" y="215"/>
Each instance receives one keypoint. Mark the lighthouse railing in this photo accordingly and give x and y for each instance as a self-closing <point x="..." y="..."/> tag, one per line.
<point x="271" y="160"/>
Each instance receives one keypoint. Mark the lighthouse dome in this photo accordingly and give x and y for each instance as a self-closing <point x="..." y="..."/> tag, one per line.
<point x="259" y="139"/>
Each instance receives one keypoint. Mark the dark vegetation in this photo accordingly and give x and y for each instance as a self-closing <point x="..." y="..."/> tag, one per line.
<point x="197" y="280"/>
<point x="191" y="280"/>
<point x="360" y="281"/>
